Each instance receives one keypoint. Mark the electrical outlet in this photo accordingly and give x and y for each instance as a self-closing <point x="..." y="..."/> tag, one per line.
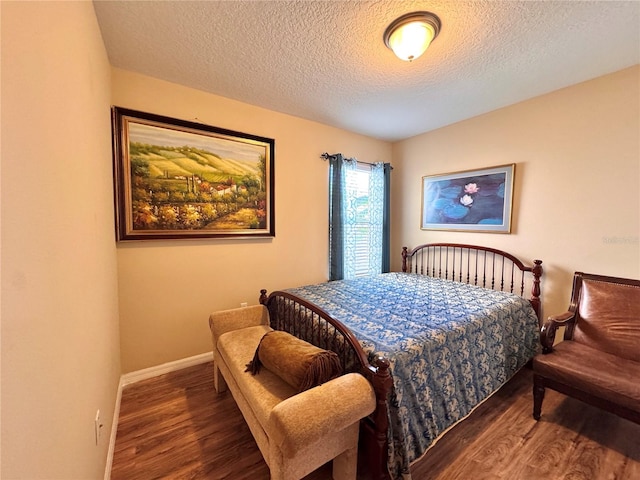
<point x="243" y="304"/>
<point x="97" y="424"/>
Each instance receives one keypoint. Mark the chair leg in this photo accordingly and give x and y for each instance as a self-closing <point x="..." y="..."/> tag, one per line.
<point x="538" y="396"/>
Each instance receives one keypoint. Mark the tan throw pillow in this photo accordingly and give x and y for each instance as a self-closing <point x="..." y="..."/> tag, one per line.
<point x="295" y="361"/>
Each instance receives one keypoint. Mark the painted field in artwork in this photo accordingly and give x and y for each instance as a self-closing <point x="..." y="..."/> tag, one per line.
<point x="188" y="181"/>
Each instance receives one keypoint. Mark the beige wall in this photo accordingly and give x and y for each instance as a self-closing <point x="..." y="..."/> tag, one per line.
<point x="168" y="288"/>
<point x="60" y="349"/>
<point x="577" y="202"/>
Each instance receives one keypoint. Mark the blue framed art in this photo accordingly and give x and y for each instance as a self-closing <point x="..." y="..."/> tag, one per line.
<point x="472" y="200"/>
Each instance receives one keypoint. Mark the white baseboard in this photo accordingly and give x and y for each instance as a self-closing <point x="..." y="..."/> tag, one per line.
<point x="144" y="374"/>
<point x="114" y="431"/>
<point x="133" y="377"/>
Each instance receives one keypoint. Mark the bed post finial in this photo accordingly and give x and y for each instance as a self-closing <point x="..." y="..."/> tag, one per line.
<point x="404" y="259"/>
<point x="263" y="297"/>
<point x="535" y="288"/>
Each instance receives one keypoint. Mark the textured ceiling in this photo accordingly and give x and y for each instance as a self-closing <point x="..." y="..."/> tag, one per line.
<point x="326" y="61"/>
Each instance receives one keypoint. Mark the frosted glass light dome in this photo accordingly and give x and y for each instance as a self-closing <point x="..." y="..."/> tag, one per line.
<point x="410" y="35"/>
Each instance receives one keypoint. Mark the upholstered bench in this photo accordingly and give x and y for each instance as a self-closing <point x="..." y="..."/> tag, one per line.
<point x="296" y="432"/>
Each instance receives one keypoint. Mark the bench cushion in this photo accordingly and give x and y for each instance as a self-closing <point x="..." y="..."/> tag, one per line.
<point x="299" y="363"/>
<point x="237" y="348"/>
<point x="572" y="363"/>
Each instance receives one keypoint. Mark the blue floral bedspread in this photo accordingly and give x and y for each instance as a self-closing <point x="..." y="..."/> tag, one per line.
<point x="450" y="345"/>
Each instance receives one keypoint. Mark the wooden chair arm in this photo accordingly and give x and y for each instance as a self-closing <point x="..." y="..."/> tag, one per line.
<point x="562" y="318"/>
<point x="548" y="330"/>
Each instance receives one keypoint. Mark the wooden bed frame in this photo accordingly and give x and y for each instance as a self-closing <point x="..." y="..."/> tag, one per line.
<point x="477" y="265"/>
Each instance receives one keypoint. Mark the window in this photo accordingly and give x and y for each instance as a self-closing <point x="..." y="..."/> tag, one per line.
<point x="363" y="223"/>
<point x="358" y="219"/>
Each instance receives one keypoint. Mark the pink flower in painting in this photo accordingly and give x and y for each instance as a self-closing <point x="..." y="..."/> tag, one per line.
<point x="471" y="188"/>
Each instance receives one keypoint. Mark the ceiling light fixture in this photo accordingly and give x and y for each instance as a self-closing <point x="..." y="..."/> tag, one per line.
<point x="411" y="34"/>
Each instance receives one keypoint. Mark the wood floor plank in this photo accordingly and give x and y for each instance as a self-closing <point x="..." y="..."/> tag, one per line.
<point x="176" y="427"/>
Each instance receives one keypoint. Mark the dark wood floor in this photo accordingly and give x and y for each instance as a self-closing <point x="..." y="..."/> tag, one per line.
<point x="176" y="427"/>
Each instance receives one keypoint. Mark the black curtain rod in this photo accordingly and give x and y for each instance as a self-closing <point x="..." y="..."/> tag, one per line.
<point x="327" y="156"/>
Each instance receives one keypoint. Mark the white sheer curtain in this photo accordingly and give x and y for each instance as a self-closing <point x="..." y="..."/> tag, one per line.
<point x="363" y="207"/>
<point x="376" y="208"/>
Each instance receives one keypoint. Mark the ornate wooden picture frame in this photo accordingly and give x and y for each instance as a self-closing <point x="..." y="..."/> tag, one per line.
<point x="177" y="179"/>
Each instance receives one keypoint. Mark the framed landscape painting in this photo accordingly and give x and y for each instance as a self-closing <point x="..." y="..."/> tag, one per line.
<point x="178" y="179"/>
<point x="473" y="200"/>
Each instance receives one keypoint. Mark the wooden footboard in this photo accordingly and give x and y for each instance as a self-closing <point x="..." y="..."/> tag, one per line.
<point x="476" y="265"/>
<point x="314" y="325"/>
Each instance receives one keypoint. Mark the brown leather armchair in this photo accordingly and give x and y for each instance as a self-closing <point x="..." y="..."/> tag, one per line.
<point x="599" y="360"/>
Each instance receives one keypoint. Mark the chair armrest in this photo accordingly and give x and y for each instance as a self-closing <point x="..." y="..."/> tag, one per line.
<point x="236" y="318"/>
<point x="548" y="330"/>
<point x="310" y="415"/>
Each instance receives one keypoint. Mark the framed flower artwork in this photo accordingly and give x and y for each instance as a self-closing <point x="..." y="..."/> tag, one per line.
<point x="472" y="200"/>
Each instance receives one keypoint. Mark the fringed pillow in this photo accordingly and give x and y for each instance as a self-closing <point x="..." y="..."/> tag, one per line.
<point x="300" y="364"/>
